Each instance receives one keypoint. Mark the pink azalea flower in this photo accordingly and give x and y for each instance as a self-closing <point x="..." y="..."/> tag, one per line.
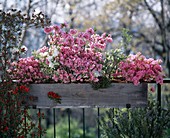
<point x="48" y="30"/>
<point x="137" y="68"/>
<point x="152" y="89"/>
<point x="73" y="31"/>
<point x="90" y="31"/>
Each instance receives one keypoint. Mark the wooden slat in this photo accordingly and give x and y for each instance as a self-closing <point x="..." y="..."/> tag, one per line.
<point x="83" y="95"/>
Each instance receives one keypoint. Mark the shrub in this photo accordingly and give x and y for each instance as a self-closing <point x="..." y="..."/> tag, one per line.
<point x="149" y="122"/>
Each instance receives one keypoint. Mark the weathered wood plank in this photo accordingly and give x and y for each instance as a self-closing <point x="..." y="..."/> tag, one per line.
<point x="83" y="95"/>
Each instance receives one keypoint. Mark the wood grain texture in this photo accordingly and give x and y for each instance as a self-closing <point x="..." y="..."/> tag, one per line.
<point x="83" y="95"/>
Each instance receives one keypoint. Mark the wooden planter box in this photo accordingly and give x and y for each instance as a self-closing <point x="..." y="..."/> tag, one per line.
<point x="82" y="95"/>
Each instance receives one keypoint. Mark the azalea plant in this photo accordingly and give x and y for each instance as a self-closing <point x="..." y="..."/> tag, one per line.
<point x="27" y="70"/>
<point x="73" y="56"/>
<point x="137" y="68"/>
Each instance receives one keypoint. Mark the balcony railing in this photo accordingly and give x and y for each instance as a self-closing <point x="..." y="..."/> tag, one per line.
<point x="84" y="119"/>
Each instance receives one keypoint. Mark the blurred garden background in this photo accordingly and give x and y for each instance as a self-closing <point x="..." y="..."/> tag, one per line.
<point x="147" y="24"/>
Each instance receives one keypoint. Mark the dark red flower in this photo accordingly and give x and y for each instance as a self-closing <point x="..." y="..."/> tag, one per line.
<point x="39" y="114"/>
<point x="23" y="88"/>
<point x="54" y="96"/>
<point x="6" y="128"/>
<point x="15" y="91"/>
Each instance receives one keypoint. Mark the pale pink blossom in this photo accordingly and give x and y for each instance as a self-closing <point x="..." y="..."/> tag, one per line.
<point x="137" y="68"/>
<point x="27" y="70"/>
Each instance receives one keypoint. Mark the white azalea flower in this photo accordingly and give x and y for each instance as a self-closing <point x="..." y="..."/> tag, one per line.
<point x="14" y="50"/>
<point x="24" y="48"/>
<point x="97" y="74"/>
<point x="55" y="53"/>
<point x="51" y="65"/>
<point x="49" y="58"/>
<point x="44" y="54"/>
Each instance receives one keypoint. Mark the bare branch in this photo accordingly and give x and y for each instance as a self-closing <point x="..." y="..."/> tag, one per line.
<point x="4" y="5"/>
<point x="25" y="27"/>
<point x="153" y="14"/>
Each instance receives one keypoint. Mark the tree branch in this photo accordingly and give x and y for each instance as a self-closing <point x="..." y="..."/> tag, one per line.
<point x="153" y="14"/>
<point x="25" y="27"/>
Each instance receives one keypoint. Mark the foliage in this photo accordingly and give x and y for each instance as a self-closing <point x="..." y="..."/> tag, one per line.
<point x="104" y="82"/>
<point x="11" y="26"/>
<point x="76" y="130"/>
<point x="149" y="122"/>
<point x="111" y="62"/>
<point x="15" y="121"/>
<point x="126" y="40"/>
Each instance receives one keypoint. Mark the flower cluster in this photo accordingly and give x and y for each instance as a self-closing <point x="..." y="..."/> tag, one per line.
<point x="21" y="89"/>
<point x="137" y="68"/>
<point x="54" y="96"/>
<point x="13" y="115"/>
<point x="73" y="56"/>
<point x="27" y="70"/>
